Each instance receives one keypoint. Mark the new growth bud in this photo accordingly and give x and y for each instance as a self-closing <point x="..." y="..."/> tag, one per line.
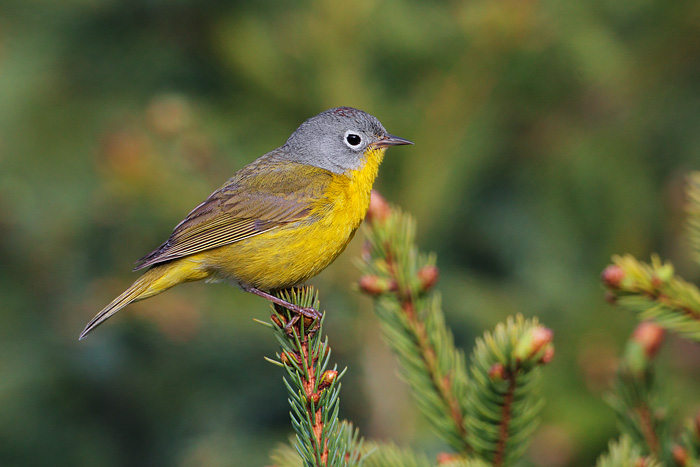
<point x="497" y="372"/>
<point x="447" y="458"/>
<point x="314" y="397"/>
<point x="612" y="276"/>
<point x="548" y="355"/>
<point x="277" y="320"/>
<point x="649" y="336"/>
<point x="534" y="343"/>
<point x="680" y="455"/>
<point x="328" y="378"/>
<point x="379" y="210"/>
<point x="375" y="285"/>
<point x="427" y="277"/>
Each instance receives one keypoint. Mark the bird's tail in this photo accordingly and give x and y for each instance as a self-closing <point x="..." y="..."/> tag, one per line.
<point x="154" y="281"/>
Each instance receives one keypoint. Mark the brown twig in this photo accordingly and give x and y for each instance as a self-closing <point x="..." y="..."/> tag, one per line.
<point x="441" y="382"/>
<point x="307" y="361"/>
<point x="499" y="456"/>
<point x="647" y="427"/>
<point x="309" y="384"/>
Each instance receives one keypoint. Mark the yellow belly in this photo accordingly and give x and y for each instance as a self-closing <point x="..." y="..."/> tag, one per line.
<point x="289" y="255"/>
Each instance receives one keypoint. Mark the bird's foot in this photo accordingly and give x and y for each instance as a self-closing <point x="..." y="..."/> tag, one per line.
<point x="313" y="315"/>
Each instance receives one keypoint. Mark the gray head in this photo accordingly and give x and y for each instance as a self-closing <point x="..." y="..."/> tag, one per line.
<point x="336" y="139"/>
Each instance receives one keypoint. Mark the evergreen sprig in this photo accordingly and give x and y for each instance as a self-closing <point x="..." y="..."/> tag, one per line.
<point x="636" y="398"/>
<point x="286" y="455"/>
<point x="486" y="419"/>
<point x="668" y="302"/>
<point x="313" y="390"/>
<point x="502" y="402"/>
<point x="412" y="321"/>
<point x="624" y="453"/>
<point x="654" y="292"/>
<point x="652" y="289"/>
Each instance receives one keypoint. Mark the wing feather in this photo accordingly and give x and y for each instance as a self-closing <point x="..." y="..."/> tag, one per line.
<point x="266" y="194"/>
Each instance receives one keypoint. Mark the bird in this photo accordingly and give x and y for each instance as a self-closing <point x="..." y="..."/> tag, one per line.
<point x="279" y="220"/>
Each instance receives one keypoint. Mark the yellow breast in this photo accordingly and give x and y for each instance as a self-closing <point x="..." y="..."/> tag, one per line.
<point x="289" y="255"/>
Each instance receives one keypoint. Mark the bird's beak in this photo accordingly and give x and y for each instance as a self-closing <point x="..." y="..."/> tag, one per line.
<point x="390" y="140"/>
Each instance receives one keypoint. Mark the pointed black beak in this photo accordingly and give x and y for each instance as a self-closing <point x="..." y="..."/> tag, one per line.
<point x="391" y="140"/>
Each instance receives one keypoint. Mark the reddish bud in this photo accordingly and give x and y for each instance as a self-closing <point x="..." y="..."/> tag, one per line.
<point x="375" y="285"/>
<point x="428" y="276"/>
<point x="314" y="397"/>
<point x="328" y="378"/>
<point x="680" y="455"/>
<point x="447" y="458"/>
<point x="533" y="342"/>
<point x="697" y="424"/>
<point x="548" y="355"/>
<point x="308" y="322"/>
<point x="541" y="336"/>
<point x="277" y="320"/>
<point x="287" y="357"/>
<point x="650" y="336"/>
<point x="497" y="372"/>
<point x="612" y="276"/>
<point x="379" y="210"/>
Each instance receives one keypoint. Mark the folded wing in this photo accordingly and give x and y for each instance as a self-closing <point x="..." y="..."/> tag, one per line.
<point x="262" y="196"/>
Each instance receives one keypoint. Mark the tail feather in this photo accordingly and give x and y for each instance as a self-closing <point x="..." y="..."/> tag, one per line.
<point x="146" y="286"/>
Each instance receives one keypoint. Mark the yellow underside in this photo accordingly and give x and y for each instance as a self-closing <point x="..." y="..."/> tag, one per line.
<point x="287" y="255"/>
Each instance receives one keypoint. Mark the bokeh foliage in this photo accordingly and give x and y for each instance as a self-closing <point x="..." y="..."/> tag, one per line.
<point x="549" y="135"/>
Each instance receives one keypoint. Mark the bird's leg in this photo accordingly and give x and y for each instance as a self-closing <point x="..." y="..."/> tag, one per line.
<point x="308" y="312"/>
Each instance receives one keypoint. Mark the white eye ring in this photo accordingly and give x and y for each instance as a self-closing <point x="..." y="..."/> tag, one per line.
<point x="352" y="139"/>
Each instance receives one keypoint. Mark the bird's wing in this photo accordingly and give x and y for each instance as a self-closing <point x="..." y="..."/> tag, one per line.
<point x="261" y="196"/>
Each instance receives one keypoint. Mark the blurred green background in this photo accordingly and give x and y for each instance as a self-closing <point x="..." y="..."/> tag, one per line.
<point x="548" y="136"/>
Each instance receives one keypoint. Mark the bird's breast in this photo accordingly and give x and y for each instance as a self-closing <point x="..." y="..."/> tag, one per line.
<point x="291" y="254"/>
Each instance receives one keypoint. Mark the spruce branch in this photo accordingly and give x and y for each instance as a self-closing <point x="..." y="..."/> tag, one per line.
<point x="652" y="289"/>
<point x="623" y="453"/>
<point x="502" y="403"/>
<point x="654" y="292"/>
<point x="313" y="390"/>
<point x="636" y="398"/>
<point x="492" y="415"/>
<point x="374" y="454"/>
<point x="400" y="279"/>
<point x="286" y="455"/>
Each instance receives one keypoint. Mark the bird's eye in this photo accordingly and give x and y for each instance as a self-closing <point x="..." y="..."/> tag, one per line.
<point x="353" y="139"/>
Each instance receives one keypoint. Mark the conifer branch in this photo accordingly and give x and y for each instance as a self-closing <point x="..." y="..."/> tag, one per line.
<point x="286" y="455"/>
<point x="493" y="414"/>
<point x="502" y="403"/>
<point x="313" y="390"/>
<point x="374" y="454"/>
<point x="654" y="292"/>
<point x="635" y="397"/>
<point x="623" y="453"/>
<point x="400" y="278"/>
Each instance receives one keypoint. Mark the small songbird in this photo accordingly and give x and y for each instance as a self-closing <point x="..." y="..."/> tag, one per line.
<point x="278" y="221"/>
